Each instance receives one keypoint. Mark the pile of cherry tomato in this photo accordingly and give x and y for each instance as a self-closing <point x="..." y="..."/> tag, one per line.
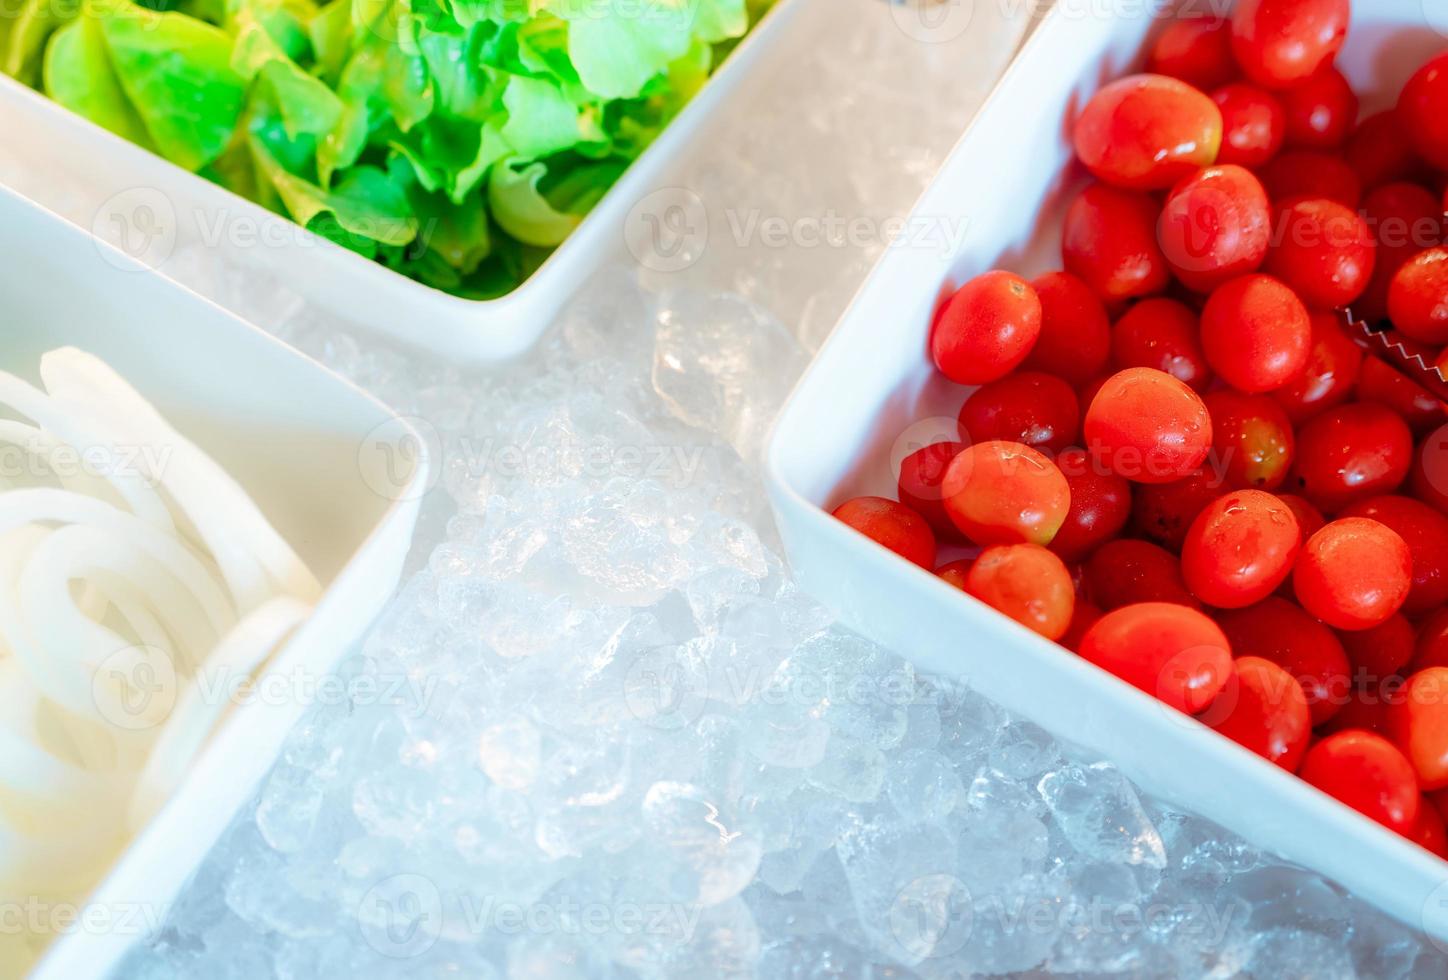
<point x="1175" y="457"/>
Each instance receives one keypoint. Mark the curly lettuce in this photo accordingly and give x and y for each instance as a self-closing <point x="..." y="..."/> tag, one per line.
<point x="455" y="141"/>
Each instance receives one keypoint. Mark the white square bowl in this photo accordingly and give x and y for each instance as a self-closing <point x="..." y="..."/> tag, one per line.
<point x="1010" y="178"/>
<point x="337" y="474"/>
<point x="153" y="209"/>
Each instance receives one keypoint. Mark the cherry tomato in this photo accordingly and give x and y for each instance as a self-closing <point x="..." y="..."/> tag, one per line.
<point x="1428" y="479"/>
<point x="893" y="525"/>
<point x="1311" y="174"/>
<point x="1163" y="512"/>
<point x="1027" y="583"/>
<point x="1197" y="50"/>
<point x="1323" y="252"/>
<point x="1100" y="506"/>
<point x="956" y="572"/>
<point x="1419" y="726"/>
<point x="1148" y="427"/>
<point x="1240" y="549"/>
<point x="1254" y="124"/>
<point x="1006" y="493"/>
<point x="921" y="474"/>
<point x="1256" y="333"/>
<point x="1381" y="652"/>
<point x="1353" y="574"/>
<point x="1381" y="153"/>
<point x="1251" y="439"/>
<point x="1034" y="409"/>
<point x="1075" y="341"/>
<point x="1364" y="708"/>
<point x="986" y="329"/>
<point x="1425" y="531"/>
<point x="1125" y="572"/>
<point x="1334" y="363"/>
<point x="1418" y="297"/>
<point x="1279" y="631"/>
<point x="1430" y="648"/>
<point x="1369" y="774"/>
<point x="1109" y="241"/>
<point x="1083" y="618"/>
<point x="1405" y="219"/>
<point x="1284" y="42"/>
<point x="1170" y="651"/>
<point x="1162" y="334"/>
<point x="1146" y="132"/>
<point x="1430" y="833"/>
<point x="1262" y="708"/>
<point x="1309" y="518"/>
<point x="1215" y="226"/>
<point x="1423" y="111"/>
<point x="1351" y="453"/>
<point x="1320" y="111"/>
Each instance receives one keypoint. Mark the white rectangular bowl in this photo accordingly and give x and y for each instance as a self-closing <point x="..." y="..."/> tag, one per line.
<point x="1010" y="177"/>
<point x="153" y="210"/>
<point x="311" y="449"/>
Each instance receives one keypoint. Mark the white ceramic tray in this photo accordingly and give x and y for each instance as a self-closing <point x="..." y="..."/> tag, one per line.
<point x="1010" y="177"/>
<point x="337" y="473"/>
<point x="154" y="209"/>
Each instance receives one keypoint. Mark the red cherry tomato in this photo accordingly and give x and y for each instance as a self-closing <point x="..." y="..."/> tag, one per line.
<point x="1369" y="774"/>
<point x="1430" y="647"/>
<point x="1251" y="439"/>
<point x="1425" y="531"/>
<point x="1148" y="427"/>
<point x="1381" y="153"/>
<point x="1279" y="631"/>
<point x="1006" y="493"/>
<point x="1034" y="409"/>
<point x="1162" y="334"/>
<point x="1334" y="363"/>
<point x="1381" y="652"/>
<point x="1311" y="174"/>
<point x="1351" y="453"/>
<point x="1125" y="572"/>
<point x="1170" y="651"/>
<point x="1405" y="219"/>
<point x="1423" y="111"/>
<point x="1256" y="333"/>
<point x="893" y="525"/>
<point x="1353" y="574"/>
<point x="1163" y="512"/>
<point x="1365" y="708"/>
<point x="1430" y="833"/>
<point x="1109" y="241"/>
<point x="921" y="474"/>
<point x="1254" y="124"/>
<point x="1320" y="111"/>
<point x="1083" y="617"/>
<point x="1322" y="251"/>
<point x="1283" y="42"/>
<point x="1428" y="479"/>
<point x="1309" y="518"/>
<point x="1146" y="132"/>
<point x="986" y="329"/>
<point x="1197" y="50"/>
<point x="1075" y="341"/>
<point x="1100" y="506"/>
<point x="1418" y="297"/>
<point x="1026" y="583"/>
<point x="1419" y="725"/>
<point x="956" y="572"/>
<point x="1240" y="549"/>
<point x="1262" y="708"/>
<point x="1216" y="225"/>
